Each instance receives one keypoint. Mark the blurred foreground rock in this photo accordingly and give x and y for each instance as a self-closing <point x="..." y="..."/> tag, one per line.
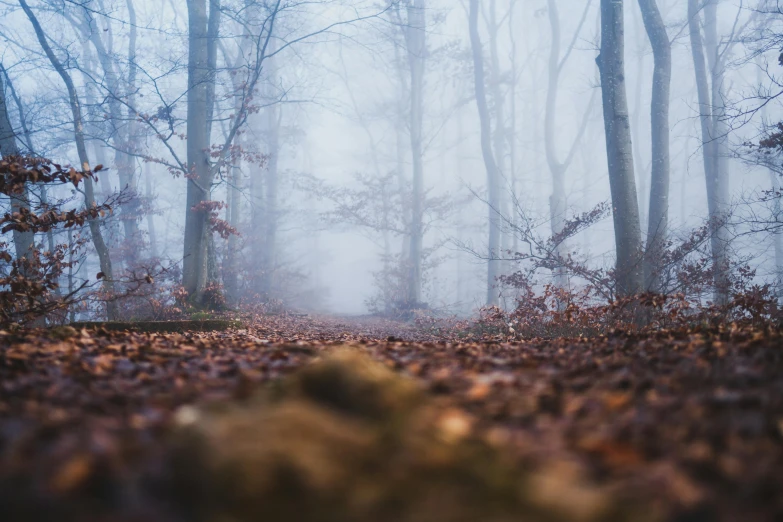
<point x="345" y="439"/>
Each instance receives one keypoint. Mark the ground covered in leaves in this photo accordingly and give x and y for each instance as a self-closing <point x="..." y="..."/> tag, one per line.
<point x="98" y="425"/>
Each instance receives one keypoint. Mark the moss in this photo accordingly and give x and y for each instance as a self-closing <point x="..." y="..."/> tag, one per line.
<point x="206" y="325"/>
<point x="346" y="440"/>
<point x="201" y="316"/>
<point x="63" y="332"/>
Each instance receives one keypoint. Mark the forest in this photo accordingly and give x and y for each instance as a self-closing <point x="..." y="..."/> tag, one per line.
<point x="391" y="260"/>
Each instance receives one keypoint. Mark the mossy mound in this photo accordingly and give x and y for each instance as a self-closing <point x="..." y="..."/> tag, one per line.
<point x="348" y="440"/>
<point x="199" y="325"/>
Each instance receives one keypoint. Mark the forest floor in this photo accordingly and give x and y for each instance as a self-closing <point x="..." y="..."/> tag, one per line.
<point x="690" y="423"/>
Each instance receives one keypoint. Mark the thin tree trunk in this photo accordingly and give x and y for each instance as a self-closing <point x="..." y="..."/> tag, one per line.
<point x="459" y="169"/>
<point x="71" y="285"/>
<point x="486" y="151"/>
<point x="28" y="142"/>
<point x="401" y="141"/>
<point x="201" y="78"/>
<point x="557" y="201"/>
<point x="710" y="139"/>
<point x="499" y="137"/>
<point x="273" y="116"/>
<point x="658" y="217"/>
<point x="121" y="133"/>
<point x="230" y="273"/>
<point x="720" y="133"/>
<point x="777" y="235"/>
<point x="640" y="169"/>
<point x="619" y="150"/>
<point x="557" y="168"/>
<point x="257" y="216"/>
<point x="112" y="310"/>
<point x="775" y="184"/>
<point x="131" y="135"/>
<point x="93" y="130"/>
<point x="49" y="233"/>
<point x="416" y="45"/>
<point x="512" y="130"/>
<point x="153" y="238"/>
<point x="23" y="241"/>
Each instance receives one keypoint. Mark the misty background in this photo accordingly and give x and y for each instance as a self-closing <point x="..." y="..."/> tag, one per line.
<point x="319" y="179"/>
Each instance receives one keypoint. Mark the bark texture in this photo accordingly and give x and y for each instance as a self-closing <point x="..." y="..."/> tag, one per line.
<point x="619" y="150"/>
<point x="112" y="310"/>
<point x="201" y="78"/>
<point x="658" y="217"/>
<point x="713" y="136"/>
<point x="120" y="125"/>
<point x="23" y="241"/>
<point x="493" y="176"/>
<point x="415" y="37"/>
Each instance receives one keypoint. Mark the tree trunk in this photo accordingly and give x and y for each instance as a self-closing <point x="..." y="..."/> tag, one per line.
<point x="402" y="176"/>
<point x="257" y="209"/>
<point x="71" y="285"/>
<point x="273" y="115"/>
<point x="720" y="131"/>
<point x="23" y="241"/>
<point x="712" y="138"/>
<point x="121" y="133"/>
<point x="774" y="179"/>
<point x="153" y="238"/>
<point x="416" y="45"/>
<point x="230" y="274"/>
<point x="493" y="176"/>
<point x="112" y="310"/>
<point x="557" y="201"/>
<point x="28" y="142"/>
<point x="499" y="137"/>
<point x="511" y="135"/>
<point x="658" y="217"/>
<point x="201" y="78"/>
<point x="131" y="137"/>
<point x="619" y="150"/>
<point x="640" y="169"/>
<point x="557" y="168"/>
<point x="257" y="227"/>
<point x="402" y="142"/>
<point x="94" y="130"/>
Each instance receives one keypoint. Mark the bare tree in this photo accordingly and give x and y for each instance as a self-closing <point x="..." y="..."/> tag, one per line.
<point x="101" y="249"/>
<point x="272" y="120"/>
<point x="558" y="168"/>
<point x="28" y="142"/>
<point x="203" y="25"/>
<point x="23" y="241"/>
<point x="415" y="39"/>
<point x="658" y="218"/>
<point x="204" y="161"/>
<point x="776" y="191"/>
<point x="493" y="175"/>
<point x="619" y="153"/>
<point x="120" y="95"/>
<point x="713" y="133"/>
<point x="500" y="131"/>
<point x="148" y="194"/>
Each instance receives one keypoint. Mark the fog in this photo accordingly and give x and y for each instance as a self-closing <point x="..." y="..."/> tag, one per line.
<point x="321" y="127"/>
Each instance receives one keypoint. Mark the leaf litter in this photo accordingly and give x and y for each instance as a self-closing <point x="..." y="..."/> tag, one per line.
<point x="300" y="418"/>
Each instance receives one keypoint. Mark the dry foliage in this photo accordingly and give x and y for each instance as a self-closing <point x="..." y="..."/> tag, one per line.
<point x="686" y="424"/>
<point x="29" y="285"/>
